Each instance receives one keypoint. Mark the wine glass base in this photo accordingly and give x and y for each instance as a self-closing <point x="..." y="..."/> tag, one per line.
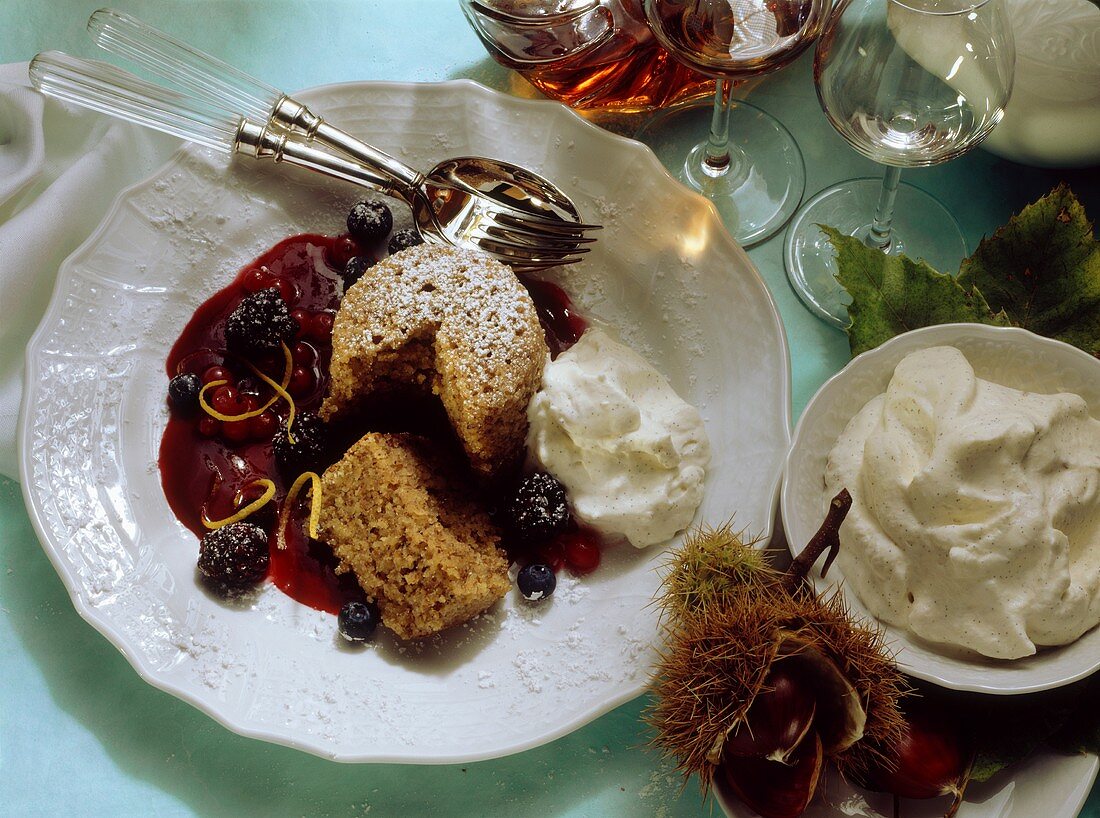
<point x="922" y="228"/>
<point x="766" y="177"/>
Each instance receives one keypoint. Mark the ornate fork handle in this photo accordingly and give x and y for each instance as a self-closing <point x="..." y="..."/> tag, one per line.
<point x="291" y="115"/>
<point x="219" y="84"/>
<point x="262" y="142"/>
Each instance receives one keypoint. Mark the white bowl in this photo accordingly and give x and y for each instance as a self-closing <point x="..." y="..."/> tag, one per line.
<point x="1046" y="783"/>
<point x="1013" y="357"/>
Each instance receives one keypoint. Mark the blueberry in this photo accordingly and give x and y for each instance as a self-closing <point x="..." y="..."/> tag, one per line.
<point x="536" y="581"/>
<point x="402" y="240"/>
<point x="370" y="222"/>
<point x="235" y="555"/>
<point x="183" y="392"/>
<point x="538" y="509"/>
<point x="358" y="620"/>
<point x="354" y="269"/>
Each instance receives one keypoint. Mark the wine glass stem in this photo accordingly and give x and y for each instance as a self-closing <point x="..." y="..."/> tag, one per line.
<point x="879" y="237"/>
<point x="716" y="159"/>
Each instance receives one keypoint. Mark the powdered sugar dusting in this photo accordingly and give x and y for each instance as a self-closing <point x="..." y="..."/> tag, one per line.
<point x="462" y="292"/>
<point x="452" y="321"/>
<point x="531" y="671"/>
<point x="210" y="659"/>
<point x="571" y="589"/>
<point x="665" y="784"/>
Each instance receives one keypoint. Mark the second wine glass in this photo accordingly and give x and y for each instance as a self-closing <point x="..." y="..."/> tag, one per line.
<point x="907" y="83"/>
<point x="749" y="165"/>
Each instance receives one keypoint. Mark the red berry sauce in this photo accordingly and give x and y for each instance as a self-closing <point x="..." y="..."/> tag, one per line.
<point x="206" y="465"/>
<point x="205" y="462"/>
<point x="560" y="321"/>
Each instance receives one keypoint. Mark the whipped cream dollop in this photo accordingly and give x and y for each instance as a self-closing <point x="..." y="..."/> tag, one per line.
<point x="976" y="509"/>
<point x="630" y="452"/>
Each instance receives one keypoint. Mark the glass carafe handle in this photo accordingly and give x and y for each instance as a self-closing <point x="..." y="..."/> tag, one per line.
<point x="523" y="41"/>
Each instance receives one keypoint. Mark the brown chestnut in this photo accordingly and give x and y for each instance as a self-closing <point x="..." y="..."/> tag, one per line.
<point x="774" y="789"/>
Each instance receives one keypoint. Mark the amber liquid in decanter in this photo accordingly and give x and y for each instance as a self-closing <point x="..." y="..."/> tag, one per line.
<point x="628" y="76"/>
<point x="621" y="67"/>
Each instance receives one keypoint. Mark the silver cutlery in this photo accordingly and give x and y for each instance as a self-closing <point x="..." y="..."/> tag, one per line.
<point x="496" y="207"/>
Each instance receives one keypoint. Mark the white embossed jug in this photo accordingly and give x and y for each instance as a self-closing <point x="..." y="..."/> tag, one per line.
<point x="1053" y="118"/>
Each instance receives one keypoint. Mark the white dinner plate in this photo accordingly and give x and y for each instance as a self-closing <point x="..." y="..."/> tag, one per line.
<point x="664" y="272"/>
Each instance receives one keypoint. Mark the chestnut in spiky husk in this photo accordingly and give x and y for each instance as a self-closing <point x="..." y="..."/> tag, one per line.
<point x="761" y="679"/>
<point x="778" y="720"/>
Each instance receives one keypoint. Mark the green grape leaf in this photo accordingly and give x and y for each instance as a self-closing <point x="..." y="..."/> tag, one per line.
<point x="894" y="294"/>
<point x="1043" y="270"/>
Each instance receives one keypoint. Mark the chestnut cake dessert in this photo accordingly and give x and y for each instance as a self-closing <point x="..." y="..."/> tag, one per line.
<point x="397" y="511"/>
<point x="395" y="508"/>
<point x="448" y="322"/>
<point x="344" y="413"/>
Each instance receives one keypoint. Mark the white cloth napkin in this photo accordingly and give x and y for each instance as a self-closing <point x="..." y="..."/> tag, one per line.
<point x="60" y="169"/>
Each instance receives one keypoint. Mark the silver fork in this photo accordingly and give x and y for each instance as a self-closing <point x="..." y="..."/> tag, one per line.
<point x="506" y="210"/>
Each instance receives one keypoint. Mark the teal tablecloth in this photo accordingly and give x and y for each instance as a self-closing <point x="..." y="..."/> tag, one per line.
<point x="81" y="734"/>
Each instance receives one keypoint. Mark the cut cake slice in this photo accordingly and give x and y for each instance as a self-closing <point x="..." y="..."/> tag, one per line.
<point x="400" y="515"/>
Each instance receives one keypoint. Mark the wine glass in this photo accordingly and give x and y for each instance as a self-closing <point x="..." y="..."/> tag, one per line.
<point x="749" y="166"/>
<point x="908" y="83"/>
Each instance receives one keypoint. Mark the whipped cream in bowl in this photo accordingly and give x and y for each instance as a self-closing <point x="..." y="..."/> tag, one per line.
<point x="973" y="459"/>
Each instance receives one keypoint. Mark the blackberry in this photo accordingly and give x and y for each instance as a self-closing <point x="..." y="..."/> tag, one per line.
<point x="536" y="581"/>
<point x="370" y="222"/>
<point x="358" y="620"/>
<point x="354" y="269"/>
<point x="183" y="392"/>
<point x="235" y="555"/>
<point x="538" y="509"/>
<point x="309" y="449"/>
<point x="259" y="324"/>
<point x="402" y="240"/>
